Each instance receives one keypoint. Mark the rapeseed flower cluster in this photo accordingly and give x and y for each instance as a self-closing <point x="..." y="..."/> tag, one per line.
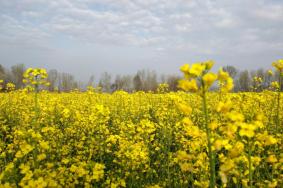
<point x="35" y="77"/>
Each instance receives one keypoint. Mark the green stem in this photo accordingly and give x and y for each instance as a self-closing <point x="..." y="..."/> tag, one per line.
<point x="36" y="106"/>
<point x="208" y="134"/>
<point x="36" y="100"/>
<point x="278" y="103"/>
<point x="250" y="164"/>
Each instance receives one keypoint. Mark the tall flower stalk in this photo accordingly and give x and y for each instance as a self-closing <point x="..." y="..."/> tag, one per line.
<point x="36" y="78"/>
<point x="199" y="79"/>
<point x="250" y="163"/>
<point x="279" y="67"/>
<point x="209" y="145"/>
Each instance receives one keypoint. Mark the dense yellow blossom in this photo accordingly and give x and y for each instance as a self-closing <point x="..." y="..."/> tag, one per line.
<point x="94" y="139"/>
<point x="130" y="141"/>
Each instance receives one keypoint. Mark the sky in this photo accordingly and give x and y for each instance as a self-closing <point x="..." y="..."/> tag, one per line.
<point x="86" y="37"/>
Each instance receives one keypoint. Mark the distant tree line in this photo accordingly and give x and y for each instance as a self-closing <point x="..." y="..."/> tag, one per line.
<point x="143" y="80"/>
<point x="253" y="80"/>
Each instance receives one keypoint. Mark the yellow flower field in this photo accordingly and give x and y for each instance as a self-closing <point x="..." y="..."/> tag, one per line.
<point x="178" y="139"/>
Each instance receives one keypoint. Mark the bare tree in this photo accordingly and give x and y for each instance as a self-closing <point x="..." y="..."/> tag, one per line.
<point x="2" y="73"/>
<point x="231" y="70"/>
<point x="137" y="82"/>
<point x="91" y="81"/>
<point x="244" y="81"/>
<point x="151" y="83"/>
<point x="53" y="79"/>
<point x="17" y="75"/>
<point x="67" y="82"/>
<point x="105" y="82"/>
<point x="172" y="81"/>
<point x="122" y="83"/>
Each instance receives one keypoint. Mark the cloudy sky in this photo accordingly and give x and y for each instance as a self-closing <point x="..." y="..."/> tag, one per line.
<point x="87" y="37"/>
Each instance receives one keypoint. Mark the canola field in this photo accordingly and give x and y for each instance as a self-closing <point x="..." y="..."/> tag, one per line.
<point x="191" y="138"/>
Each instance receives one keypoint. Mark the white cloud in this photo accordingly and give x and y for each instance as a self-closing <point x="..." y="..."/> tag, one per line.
<point x="207" y="27"/>
<point x="270" y="12"/>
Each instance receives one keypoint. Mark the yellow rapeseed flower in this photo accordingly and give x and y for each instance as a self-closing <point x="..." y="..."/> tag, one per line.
<point x="188" y="85"/>
<point x="271" y="159"/>
<point x="197" y="69"/>
<point x="209" y="79"/>
<point x="278" y="65"/>
<point x="247" y="130"/>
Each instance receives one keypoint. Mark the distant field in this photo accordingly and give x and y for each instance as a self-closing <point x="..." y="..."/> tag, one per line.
<point x="138" y="140"/>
